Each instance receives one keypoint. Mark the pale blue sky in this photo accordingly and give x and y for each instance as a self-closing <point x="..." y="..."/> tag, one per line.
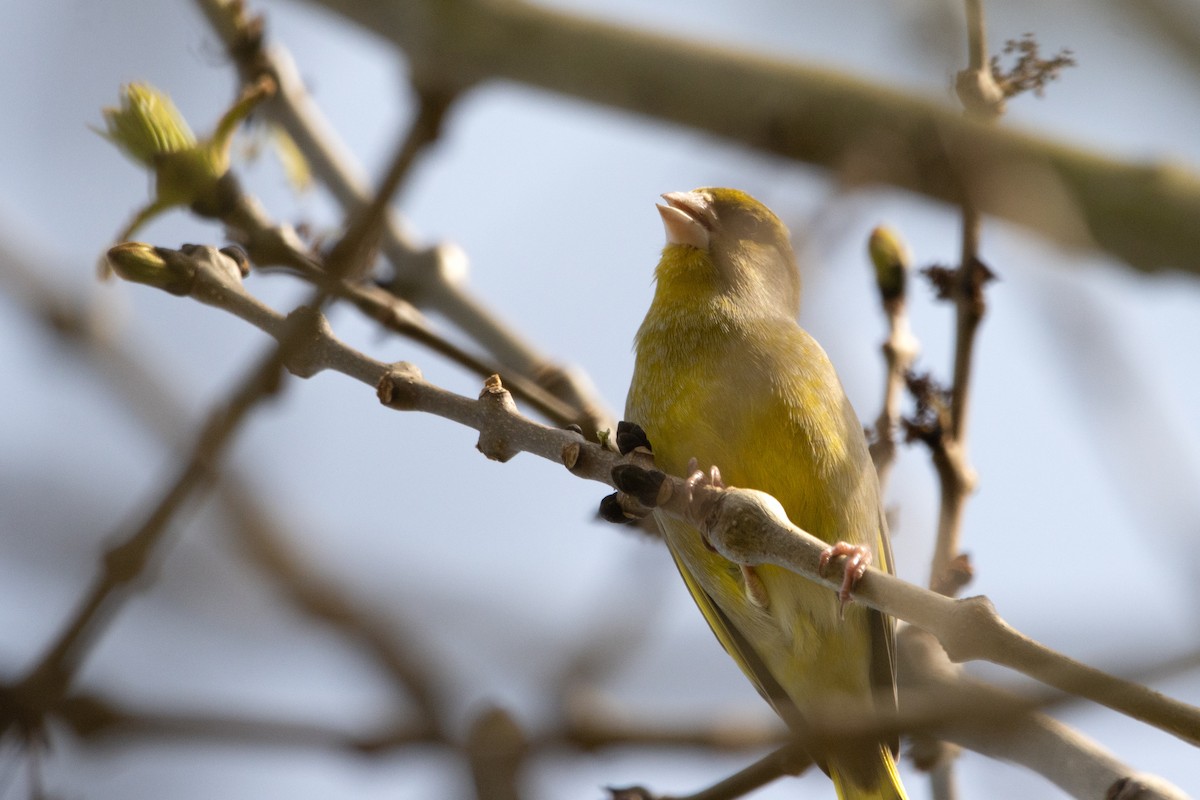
<point x="1084" y="431"/>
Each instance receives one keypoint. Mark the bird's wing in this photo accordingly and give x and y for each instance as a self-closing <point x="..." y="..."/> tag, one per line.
<point x="741" y="651"/>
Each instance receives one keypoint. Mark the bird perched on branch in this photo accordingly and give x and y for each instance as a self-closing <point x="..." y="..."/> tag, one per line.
<point x="724" y="375"/>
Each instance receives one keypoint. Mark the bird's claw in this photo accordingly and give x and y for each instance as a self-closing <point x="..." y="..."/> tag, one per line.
<point x="858" y="558"/>
<point x="613" y="509"/>
<point x="699" y="499"/>
<point x="698" y="478"/>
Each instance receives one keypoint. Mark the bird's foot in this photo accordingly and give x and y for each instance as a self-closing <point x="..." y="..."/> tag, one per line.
<point x="700" y="500"/>
<point x="858" y="558"/>
<point x="698" y="478"/>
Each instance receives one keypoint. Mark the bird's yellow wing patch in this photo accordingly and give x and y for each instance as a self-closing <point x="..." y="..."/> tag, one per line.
<point x="740" y="650"/>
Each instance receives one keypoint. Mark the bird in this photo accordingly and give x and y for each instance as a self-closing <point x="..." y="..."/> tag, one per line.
<point x="728" y="387"/>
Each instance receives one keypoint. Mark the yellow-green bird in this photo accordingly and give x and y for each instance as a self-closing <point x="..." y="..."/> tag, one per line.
<point x="726" y="376"/>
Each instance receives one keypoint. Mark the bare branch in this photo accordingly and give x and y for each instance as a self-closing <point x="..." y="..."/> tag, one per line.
<point x="395" y="650"/>
<point x="47" y="682"/>
<point x="254" y="530"/>
<point x="892" y="261"/>
<point x="495" y="749"/>
<point x="433" y="277"/>
<point x="124" y="563"/>
<point x="863" y="132"/>
<point x="982" y="99"/>
<point x="1008" y="727"/>
<point x="94" y="717"/>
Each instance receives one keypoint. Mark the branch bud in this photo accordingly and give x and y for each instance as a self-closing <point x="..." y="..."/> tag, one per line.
<point x="891" y="258"/>
<point x="154" y="266"/>
<point x="149" y="129"/>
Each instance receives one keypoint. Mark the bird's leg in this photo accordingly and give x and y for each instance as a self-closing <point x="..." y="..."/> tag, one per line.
<point x="698" y="477"/>
<point x="858" y="557"/>
<point x="756" y="590"/>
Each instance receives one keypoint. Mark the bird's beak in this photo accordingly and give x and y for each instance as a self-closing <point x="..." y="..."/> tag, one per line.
<point x="687" y="218"/>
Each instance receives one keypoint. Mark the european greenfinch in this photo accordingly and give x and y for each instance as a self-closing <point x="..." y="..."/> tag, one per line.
<point x="726" y="377"/>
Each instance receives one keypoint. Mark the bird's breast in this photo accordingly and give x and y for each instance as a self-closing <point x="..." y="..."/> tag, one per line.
<point x="760" y="403"/>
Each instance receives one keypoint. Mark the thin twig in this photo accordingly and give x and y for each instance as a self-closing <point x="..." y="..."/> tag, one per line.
<point x="395" y="650"/>
<point x="1015" y="727"/>
<point x="790" y="759"/>
<point x="977" y="54"/>
<point x="982" y="99"/>
<point x="354" y="252"/>
<point x="254" y="528"/>
<point x="943" y="784"/>
<point x="432" y="276"/>
<point x="271" y="246"/>
<point x="52" y="676"/>
<point x="951" y="570"/>
<point x="495" y="750"/>
<point x="95" y="717"/>
<point x="48" y="681"/>
<point x="891" y="260"/>
<point x="937" y="697"/>
<point x="594" y="729"/>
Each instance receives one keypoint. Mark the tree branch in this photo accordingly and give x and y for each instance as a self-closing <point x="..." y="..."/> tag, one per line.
<point x="433" y="277"/>
<point x="892" y="261"/>
<point x="1008" y="726"/>
<point x="95" y="717"/>
<point x="862" y="132"/>
<point x="122" y="564"/>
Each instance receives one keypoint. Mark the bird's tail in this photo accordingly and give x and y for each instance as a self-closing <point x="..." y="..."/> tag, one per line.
<point x="873" y="778"/>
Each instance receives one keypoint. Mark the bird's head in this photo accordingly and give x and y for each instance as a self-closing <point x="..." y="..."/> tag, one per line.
<point x="737" y="241"/>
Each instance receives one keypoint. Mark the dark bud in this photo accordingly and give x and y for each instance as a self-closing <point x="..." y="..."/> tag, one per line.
<point x="943" y="279"/>
<point x="948" y="284"/>
<point x="931" y="416"/>
<point x="611" y="511"/>
<point x="239" y="257"/>
<point x="641" y="484"/>
<point x="630" y="436"/>
<point x="159" y="267"/>
<point x="981" y="276"/>
<point x="891" y="259"/>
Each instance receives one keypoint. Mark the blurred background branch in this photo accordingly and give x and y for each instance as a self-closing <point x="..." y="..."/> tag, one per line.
<point x="863" y="133"/>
